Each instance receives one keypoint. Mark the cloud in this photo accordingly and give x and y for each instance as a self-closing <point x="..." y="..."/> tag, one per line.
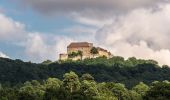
<point x="143" y="33"/>
<point x="40" y="47"/>
<point x="141" y="50"/>
<point x="3" y="55"/>
<point x="94" y="8"/>
<point x="140" y="32"/>
<point x="92" y="22"/>
<point x="81" y="33"/>
<point x="79" y="30"/>
<point x="10" y="29"/>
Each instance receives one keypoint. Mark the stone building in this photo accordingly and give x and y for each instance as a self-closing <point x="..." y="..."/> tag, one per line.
<point x="85" y="48"/>
<point x="103" y="52"/>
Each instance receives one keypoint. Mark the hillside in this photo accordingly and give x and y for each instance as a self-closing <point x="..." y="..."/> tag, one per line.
<point x="129" y="72"/>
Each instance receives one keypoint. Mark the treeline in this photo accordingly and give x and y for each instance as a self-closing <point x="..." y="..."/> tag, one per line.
<point x="85" y="87"/>
<point x="129" y="72"/>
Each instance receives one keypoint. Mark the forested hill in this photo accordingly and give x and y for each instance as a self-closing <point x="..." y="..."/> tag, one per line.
<point x="129" y="72"/>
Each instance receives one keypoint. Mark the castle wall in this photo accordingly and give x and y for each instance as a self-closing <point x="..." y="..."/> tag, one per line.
<point x="63" y="56"/>
<point x="103" y="53"/>
<point x="85" y="51"/>
<point x="76" y="58"/>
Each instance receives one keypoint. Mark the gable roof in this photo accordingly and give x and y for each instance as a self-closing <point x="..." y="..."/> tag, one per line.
<point x="80" y="44"/>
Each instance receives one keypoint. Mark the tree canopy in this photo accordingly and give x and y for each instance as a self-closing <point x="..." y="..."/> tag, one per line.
<point x="71" y="87"/>
<point x="115" y="69"/>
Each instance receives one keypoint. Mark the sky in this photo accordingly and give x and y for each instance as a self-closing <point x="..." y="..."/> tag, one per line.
<point x="37" y="30"/>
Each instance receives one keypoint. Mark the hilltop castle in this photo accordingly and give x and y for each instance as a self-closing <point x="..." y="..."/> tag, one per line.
<point x="83" y="50"/>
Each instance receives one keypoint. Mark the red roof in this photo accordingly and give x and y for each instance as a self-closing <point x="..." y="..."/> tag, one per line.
<point x="80" y="44"/>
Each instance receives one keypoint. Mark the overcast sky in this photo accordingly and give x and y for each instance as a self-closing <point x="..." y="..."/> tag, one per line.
<point x="37" y="30"/>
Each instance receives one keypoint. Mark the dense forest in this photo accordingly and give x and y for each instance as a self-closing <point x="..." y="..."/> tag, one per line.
<point x="85" y="87"/>
<point x="89" y="79"/>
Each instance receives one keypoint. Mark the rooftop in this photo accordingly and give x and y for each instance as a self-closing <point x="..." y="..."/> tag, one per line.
<point x="80" y="44"/>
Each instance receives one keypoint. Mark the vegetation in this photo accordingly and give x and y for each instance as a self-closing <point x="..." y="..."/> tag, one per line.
<point x="75" y="54"/>
<point x="80" y="53"/>
<point x="94" y="51"/>
<point x="47" y="62"/>
<point x="89" y="79"/>
<point x="129" y="72"/>
<point x="84" y="88"/>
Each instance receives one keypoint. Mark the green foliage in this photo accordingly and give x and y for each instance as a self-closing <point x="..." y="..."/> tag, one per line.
<point x="94" y="51"/>
<point x="105" y="93"/>
<point x="0" y="86"/>
<point x="119" y="90"/>
<point x="8" y="94"/>
<point x="80" y="53"/>
<point x="102" y="69"/>
<point x="73" y="54"/>
<point x="31" y="91"/>
<point x="47" y="62"/>
<point x="134" y="95"/>
<point x="87" y="77"/>
<point x="107" y="79"/>
<point x="70" y="88"/>
<point x="53" y="83"/>
<point x="89" y="88"/>
<point x="71" y="82"/>
<point x="52" y="86"/>
<point x="141" y="88"/>
<point x="159" y="91"/>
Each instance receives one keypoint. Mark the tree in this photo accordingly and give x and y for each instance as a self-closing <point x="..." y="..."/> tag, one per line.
<point x="53" y="83"/>
<point x="87" y="77"/>
<point x="116" y="60"/>
<point x="94" y="51"/>
<point x="152" y="62"/>
<point x="119" y="90"/>
<point x="31" y="91"/>
<point x="71" y="82"/>
<point x="165" y="66"/>
<point x="80" y="53"/>
<point x="89" y="89"/>
<point x="105" y="93"/>
<point x="8" y="94"/>
<point x="73" y="54"/>
<point x="0" y="86"/>
<point x="71" y="89"/>
<point x="52" y="89"/>
<point x="47" y="62"/>
<point x="159" y="91"/>
<point x="134" y="95"/>
<point x="131" y="62"/>
<point x="141" y="88"/>
<point x="115" y="69"/>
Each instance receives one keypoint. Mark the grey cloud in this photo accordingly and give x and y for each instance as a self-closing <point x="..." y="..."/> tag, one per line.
<point x="141" y="33"/>
<point x="141" y="24"/>
<point x="100" y="7"/>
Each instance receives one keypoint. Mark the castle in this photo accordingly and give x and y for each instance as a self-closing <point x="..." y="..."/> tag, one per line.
<point x="83" y="50"/>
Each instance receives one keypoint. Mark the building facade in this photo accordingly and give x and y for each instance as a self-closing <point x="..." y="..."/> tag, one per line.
<point x="85" y="49"/>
